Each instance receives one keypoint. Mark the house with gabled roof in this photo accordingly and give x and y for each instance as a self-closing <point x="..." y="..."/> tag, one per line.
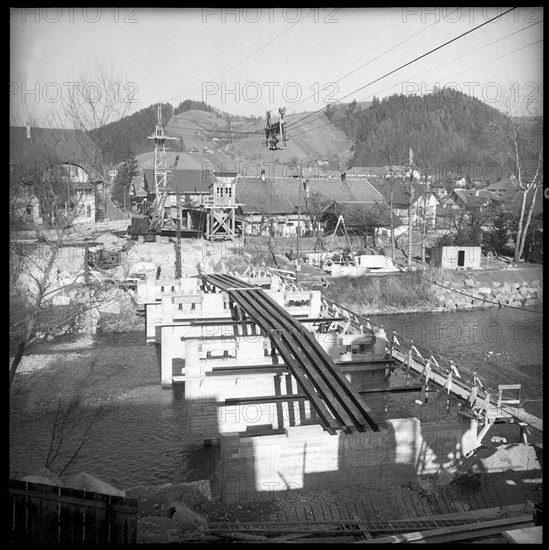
<point x="471" y="199"/>
<point x="503" y="186"/>
<point x="185" y="191"/>
<point x="270" y="205"/>
<point x="397" y="193"/>
<point x="55" y="161"/>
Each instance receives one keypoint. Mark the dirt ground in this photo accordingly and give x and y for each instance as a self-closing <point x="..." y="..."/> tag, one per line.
<point x="464" y="487"/>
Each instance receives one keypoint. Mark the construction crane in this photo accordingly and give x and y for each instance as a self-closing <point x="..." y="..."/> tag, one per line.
<point x="156" y="212"/>
<point x="275" y="132"/>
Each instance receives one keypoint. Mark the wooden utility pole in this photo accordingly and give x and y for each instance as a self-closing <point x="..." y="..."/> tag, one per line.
<point x="298" y="224"/>
<point x="424" y="229"/>
<point x="178" y="242"/>
<point x="410" y="210"/>
<point x="392" y="222"/>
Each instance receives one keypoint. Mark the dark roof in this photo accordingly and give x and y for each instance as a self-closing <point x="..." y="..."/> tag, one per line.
<point x="472" y="200"/>
<point x="401" y="191"/>
<point x="279" y="196"/>
<point x="53" y="146"/>
<point x="360" y="214"/>
<point x="181" y="181"/>
<point x="503" y="185"/>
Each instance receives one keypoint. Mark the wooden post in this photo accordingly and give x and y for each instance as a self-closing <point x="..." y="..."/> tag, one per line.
<point x="523" y="437"/>
<point x="409" y="363"/>
<point x="427" y="374"/>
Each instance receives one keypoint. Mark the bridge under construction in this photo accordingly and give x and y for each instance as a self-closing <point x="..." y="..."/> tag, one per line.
<point x="295" y="387"/>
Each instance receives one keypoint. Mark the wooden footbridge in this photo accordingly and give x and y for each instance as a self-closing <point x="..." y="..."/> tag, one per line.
<point x="338" y="405"/>
<point x="435" y="372"/>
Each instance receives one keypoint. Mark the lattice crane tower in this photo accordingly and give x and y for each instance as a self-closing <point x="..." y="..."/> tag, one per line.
<point x="160" y="169"/>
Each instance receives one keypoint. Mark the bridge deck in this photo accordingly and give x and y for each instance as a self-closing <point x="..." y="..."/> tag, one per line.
<point x="337" y="403"/>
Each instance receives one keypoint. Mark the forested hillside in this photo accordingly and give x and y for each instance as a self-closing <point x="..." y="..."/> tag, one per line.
<point x="442" y="129"/>
<point x="130" y="134"/>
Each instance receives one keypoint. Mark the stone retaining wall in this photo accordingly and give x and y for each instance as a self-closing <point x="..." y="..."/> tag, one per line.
<point x="473" y="294"/>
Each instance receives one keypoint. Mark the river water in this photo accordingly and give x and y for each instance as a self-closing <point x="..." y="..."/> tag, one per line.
<point x="140" y="439"/>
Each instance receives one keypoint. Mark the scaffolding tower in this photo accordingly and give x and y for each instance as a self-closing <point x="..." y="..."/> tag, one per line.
<point x="160" y="174"/>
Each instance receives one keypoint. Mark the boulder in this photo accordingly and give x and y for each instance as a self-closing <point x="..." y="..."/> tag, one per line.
<point x="185" y="517"/>
<point x="155" y="500"/>
<point x="496" y="284"/>
<point x="469" y="282"/>
<point x="484" y="290"/>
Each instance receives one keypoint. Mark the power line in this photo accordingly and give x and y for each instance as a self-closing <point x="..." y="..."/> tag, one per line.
<point x="410" y="62"/>
<point x="252" y="54"/>
<point x="401" y="97"/>
<point x="376" y="58"/>
<point x="381" y="91"/>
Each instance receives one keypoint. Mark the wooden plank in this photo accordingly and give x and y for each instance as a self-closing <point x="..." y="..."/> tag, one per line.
<point x="526" y="535"/>
<point x="351" y="399"/>
<point x="283" y="345"/>
<point x="461" y="536"/>
<point x="348" y="401"/>
<point x="458" y="531"/>
<point x="350" y="416"/>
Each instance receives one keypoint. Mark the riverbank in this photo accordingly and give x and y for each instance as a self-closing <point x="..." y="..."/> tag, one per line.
<point x="437" y="290"/>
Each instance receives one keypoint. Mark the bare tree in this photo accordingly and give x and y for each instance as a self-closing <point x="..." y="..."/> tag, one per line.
<point x="519" y="146"/>
<point x="99" y="95"/>
<point x="49" y="195"/>
<point x="315" y="205"/>
<point x="72" y="427"/>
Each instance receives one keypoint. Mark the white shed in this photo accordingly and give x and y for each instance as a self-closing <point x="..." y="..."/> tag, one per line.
<point x="456" y="257"/>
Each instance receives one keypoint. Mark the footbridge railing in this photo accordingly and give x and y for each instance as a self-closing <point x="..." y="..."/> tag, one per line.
<point x="441" y="371"/>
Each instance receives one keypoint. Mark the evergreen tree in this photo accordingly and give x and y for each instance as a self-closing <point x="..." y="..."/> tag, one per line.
<point x="121" y="189"/>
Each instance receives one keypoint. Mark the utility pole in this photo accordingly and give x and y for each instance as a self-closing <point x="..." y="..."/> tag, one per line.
<point x="392" y="222"/>
<point x="411" y="159"/>
<point x="297" y="266"/>
<point x="178" y="242"/>
<point x="424" y="229"/>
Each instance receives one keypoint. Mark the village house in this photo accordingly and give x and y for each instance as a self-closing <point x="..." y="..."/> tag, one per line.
<point x="503" y="186"/>
<point x="53" y="161"/>
<point x="185" y="191"/>
<point x="473" y="199"/>
<point x="397" y="193"/>
<point x="269" y="206"/>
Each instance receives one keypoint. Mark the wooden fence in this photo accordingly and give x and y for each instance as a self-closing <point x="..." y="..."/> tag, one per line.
<point x="41" y="513"/>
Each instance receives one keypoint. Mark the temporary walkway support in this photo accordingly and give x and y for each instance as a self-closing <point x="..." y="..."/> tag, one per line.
<point x="431" y="368"/>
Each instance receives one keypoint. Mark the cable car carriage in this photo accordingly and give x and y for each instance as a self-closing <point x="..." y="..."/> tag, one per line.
<point x="275" y="132"/>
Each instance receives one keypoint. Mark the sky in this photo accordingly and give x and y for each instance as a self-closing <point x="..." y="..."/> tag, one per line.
<point x="247" y="61"/>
